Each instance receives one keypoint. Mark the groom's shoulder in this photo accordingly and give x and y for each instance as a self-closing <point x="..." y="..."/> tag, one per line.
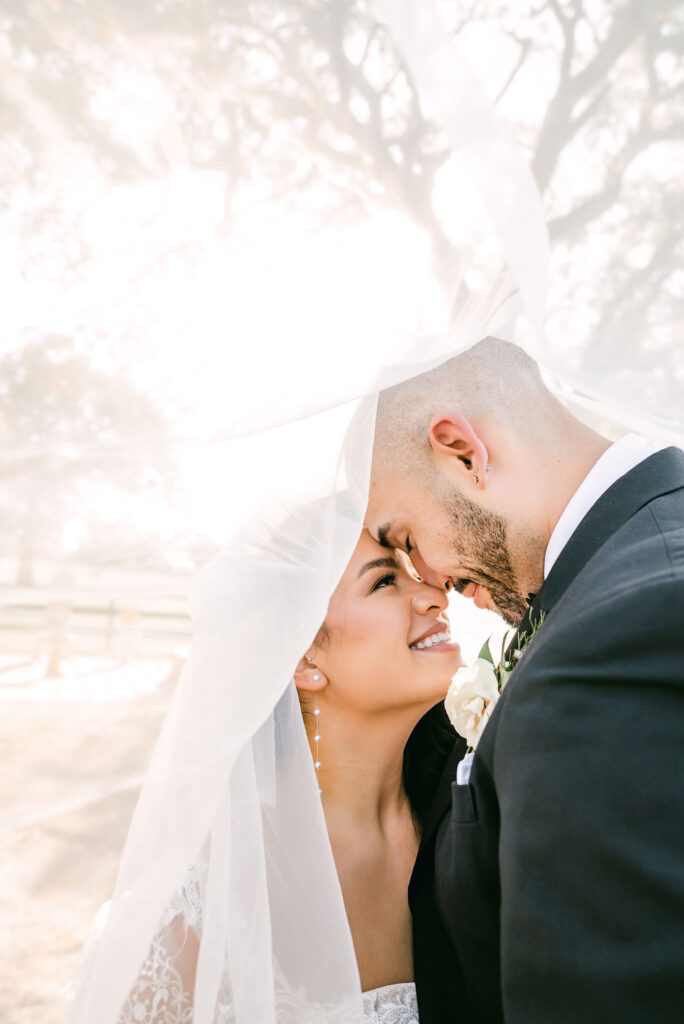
<point x="649" y="547"/>
<point x="633" y="585"/>
<point x="667" y="515"/>
<point x="636" y="529"/>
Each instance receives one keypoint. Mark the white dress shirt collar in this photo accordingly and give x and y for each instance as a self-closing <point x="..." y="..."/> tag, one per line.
<point x="622" y="456"/>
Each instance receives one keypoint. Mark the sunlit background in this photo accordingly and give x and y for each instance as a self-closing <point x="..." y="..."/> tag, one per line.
<point x="179" y="178"/>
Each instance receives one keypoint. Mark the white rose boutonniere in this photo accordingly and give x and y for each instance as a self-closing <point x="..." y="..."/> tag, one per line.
<point x="474" y="690"/>
<point x="471" y="699"/>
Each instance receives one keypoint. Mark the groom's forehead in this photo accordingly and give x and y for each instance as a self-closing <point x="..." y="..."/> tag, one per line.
<point x="392" y="507"/>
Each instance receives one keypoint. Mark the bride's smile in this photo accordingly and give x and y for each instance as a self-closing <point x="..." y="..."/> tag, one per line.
<point x="437" y="638"/>
<point x="386" y="641"/>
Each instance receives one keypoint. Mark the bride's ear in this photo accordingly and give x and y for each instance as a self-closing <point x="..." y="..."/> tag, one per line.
<point x="308" y="676"/>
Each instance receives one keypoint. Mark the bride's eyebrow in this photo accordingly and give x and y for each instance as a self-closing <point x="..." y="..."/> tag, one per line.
<point x="378" y="563"/>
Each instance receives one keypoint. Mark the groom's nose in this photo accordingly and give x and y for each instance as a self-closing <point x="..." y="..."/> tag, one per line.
<point x="428" y="575"/>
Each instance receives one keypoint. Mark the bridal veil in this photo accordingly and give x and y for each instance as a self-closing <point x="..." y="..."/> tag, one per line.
<point x="277" y="330"/>
<point x="231" y="780"/>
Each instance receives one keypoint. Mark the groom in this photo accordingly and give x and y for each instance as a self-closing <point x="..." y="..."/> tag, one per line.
<point x="550" y="885"/>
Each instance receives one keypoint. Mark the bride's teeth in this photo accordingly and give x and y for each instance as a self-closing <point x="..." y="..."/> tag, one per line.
<point x="436" y="638"/>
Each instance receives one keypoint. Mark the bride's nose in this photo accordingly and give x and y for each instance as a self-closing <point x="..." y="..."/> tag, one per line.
<point x="428" y="598"/>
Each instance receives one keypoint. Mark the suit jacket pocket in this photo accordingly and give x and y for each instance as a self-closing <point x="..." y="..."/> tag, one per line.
<point x="463" y="809"/>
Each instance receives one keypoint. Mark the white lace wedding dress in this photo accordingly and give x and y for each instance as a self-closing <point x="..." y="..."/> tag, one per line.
<point x="159" y="995"/>
<point x="394" y="1004"/>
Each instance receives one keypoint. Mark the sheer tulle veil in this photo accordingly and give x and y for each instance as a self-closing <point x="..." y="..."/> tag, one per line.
<point x="231" y="781"/>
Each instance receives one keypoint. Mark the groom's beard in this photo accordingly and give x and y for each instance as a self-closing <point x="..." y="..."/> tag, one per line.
<point x="480" y="539"/>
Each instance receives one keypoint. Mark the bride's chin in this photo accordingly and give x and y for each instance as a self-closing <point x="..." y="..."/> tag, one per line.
<point x="435" y="693"/>
<point x="440" y="666"/>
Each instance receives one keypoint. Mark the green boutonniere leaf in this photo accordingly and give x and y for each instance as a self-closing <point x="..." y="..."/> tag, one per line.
<point x="486" y="653"/>
<point x="503" y="668"/>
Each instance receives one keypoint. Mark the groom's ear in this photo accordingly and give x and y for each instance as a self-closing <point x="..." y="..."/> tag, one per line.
<point x="308" y="676"/>
<point x="453" y="435"/>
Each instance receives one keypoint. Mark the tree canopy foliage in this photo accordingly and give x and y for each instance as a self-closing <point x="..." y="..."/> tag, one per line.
<point x="306" y="106"/>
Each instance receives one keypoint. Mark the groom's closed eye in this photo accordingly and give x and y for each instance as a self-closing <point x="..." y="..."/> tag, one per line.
<point x="383" y="536"/>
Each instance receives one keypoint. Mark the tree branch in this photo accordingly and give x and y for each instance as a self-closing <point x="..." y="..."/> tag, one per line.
<point x="557" y="124"/>
<point x="525" y="46"/>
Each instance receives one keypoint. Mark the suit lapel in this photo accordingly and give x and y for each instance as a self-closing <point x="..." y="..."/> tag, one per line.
<point x="659" y="474"/>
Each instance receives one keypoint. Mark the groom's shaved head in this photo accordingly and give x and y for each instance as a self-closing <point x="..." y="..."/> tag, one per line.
<point x="472" y="464"/>
<point x="494" y="379"/>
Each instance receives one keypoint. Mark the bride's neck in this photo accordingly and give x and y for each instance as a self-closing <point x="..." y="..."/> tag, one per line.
<point x="361" y="773"/>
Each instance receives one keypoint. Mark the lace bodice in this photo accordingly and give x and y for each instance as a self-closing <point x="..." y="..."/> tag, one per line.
<point x="394" y="1004"/>
<point x="160" y="994"/>
<point x="159" y="997"/>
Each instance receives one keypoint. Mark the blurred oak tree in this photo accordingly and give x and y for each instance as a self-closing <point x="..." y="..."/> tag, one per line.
<point x="306" y="106"/>
<point x="61" y="420"/>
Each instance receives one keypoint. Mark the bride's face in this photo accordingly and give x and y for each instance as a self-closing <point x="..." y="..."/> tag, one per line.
<point x="378" y="649"/>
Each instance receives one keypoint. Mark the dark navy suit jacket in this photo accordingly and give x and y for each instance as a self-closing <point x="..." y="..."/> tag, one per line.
<point x="550" y="890"/>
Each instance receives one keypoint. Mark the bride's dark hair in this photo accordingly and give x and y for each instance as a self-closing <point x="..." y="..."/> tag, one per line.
<point x="425" y="755"/>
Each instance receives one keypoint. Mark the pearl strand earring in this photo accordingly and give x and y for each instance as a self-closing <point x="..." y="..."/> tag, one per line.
<point x="317" y="741"/>
<point x="317" y="735"/>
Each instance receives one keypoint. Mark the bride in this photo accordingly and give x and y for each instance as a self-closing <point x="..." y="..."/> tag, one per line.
<point x="381" y="660"/>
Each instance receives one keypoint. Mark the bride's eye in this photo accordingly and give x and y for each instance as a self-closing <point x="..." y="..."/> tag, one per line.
<point x="388" y="580"/>
<point x="408" y="546"/>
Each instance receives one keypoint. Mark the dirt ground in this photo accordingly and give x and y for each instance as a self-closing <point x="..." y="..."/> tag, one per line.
<point x="70" y="777"/>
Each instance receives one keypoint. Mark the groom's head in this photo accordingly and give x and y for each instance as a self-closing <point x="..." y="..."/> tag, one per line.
<point x="473" y="463"/>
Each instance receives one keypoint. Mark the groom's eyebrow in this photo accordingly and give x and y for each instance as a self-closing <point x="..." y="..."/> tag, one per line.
<point x="378" y="563"/>
<point x="383" y="536"/>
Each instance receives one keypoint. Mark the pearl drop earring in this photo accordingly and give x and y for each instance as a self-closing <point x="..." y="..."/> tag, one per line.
<point x="317" y="741"/>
